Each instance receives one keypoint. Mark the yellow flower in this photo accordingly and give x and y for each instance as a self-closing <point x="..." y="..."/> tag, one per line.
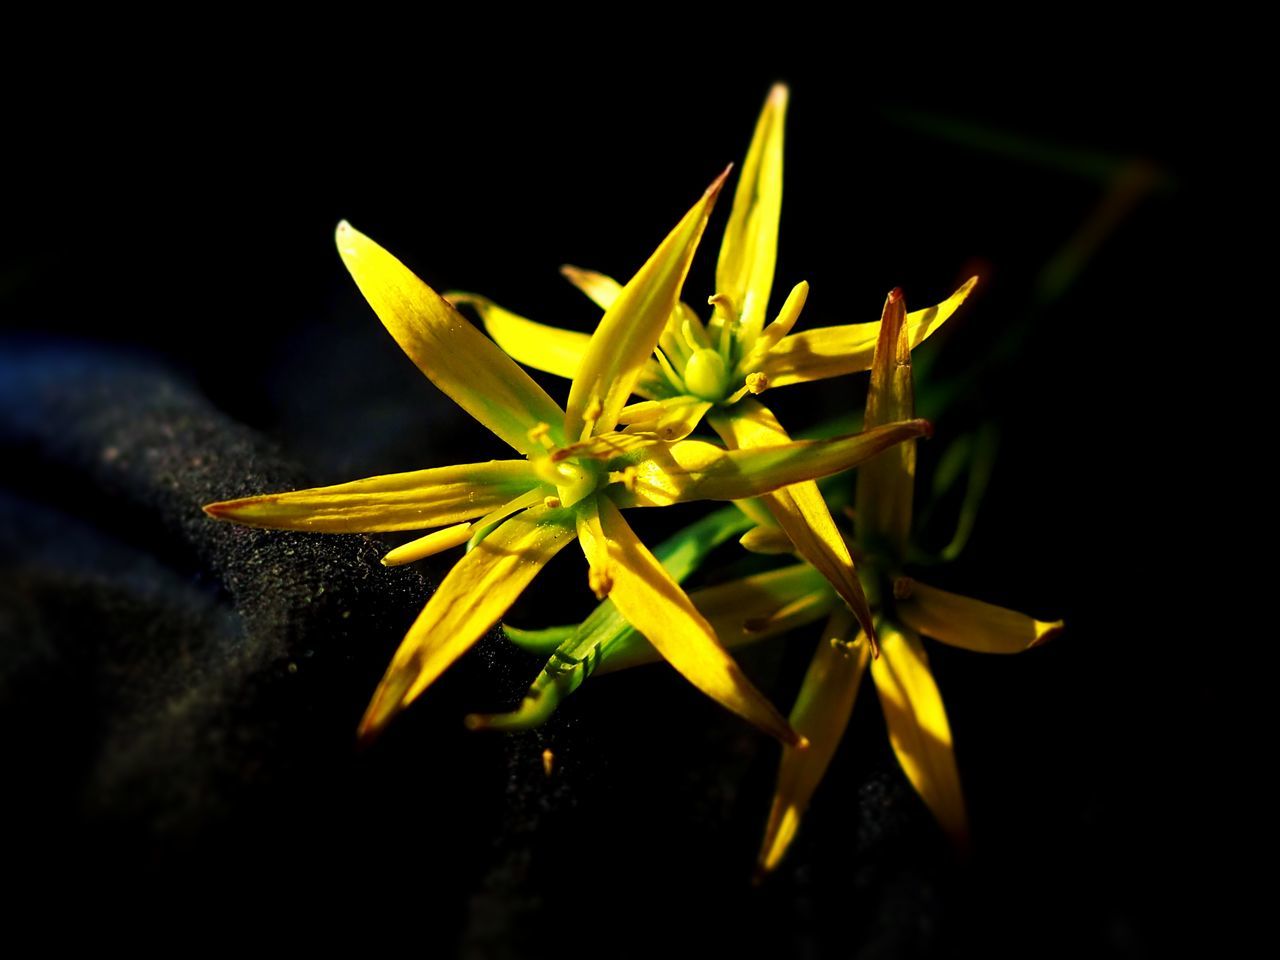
<point x="699" y="370"/>
<point x="914" y="714"/>
<point x="576" y="473"/>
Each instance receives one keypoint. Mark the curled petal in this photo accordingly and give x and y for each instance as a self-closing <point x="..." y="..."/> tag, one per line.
<point x="549" y="349"/>
<point x="821" y="714"/>
<point x="886" y="483"/>
<point x="477" y="591"/>
<point x="918" y="727"/>
<point x="971" y="624"/>
<point x="454" y="355"/>
<point x="630" y="328"/>
<point x="397" y="501"/>
<point x="835" y="351"/>
<point x="655" y="605"/>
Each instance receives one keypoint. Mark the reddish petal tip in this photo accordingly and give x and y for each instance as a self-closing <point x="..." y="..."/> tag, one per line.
<point x="718" y="182"/>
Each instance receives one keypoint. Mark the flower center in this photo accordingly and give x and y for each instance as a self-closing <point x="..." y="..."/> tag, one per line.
<point x="706" y="375"/>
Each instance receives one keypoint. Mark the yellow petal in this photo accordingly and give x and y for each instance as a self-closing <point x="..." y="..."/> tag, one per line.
<point x="821" y="714"/>
<point x="661" y="474"/>
<point x="918" y="727"/>
<point x="477" y="591"/>
<point x="971" y="624"/>
<point x="654" y="604"/>
<point x="671" y="419"/>
<point x="397" y="501"/>
<point x="780" y="327"/>
<point x="549" y="349"/>
<point x="454" y="355"/>
<point x="766" y="539"/>
<point x="799" y="509"/>
<point x="836" y="351"/>
<point x="746" y="611"/>
<point x="428" y="546"/>
<point x="886" y="483"/>
<point x="602" y="290"/>
<point x="630" y="328"/>
<point x="749" y="251"/>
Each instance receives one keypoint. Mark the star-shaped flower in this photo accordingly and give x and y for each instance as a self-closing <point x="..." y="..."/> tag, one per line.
<point x="576" y="473"/>
<point x="699" y="370"/>
<point x="904" y="609"/>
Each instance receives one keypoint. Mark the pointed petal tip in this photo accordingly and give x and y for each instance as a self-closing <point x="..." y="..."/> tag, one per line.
<point x="714" y="190"/>
<point x="1046" y="632"/>
<point x="367" y="733"/>
<point x="894" y="295"/>
<point x="344" y="235"/>
<point x="779" y="94"/>
<point x="476" y="721"/>
<point x="926" y="428"/>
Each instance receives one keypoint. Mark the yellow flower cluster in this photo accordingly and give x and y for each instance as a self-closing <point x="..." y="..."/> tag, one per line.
<point x="581" y="465"/>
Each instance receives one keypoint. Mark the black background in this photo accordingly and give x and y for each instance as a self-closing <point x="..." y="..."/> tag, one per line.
<point x="170" y="224"/>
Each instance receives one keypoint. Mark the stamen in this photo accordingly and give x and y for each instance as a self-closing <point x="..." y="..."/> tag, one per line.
<point x="590" y="416"/>
<point x="551" y="503"/>
<point x="757" y="382"/>
<point x="541" y="433"/>
<point x="548" y="761"/>
<point x="724" y="313"/>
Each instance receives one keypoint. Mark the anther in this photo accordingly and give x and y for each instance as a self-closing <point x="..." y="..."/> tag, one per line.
<point x="902" y="588"/>
<point x="551" y="503"/>
<point x="757" y="382"/>
<point x="541" y="433"/>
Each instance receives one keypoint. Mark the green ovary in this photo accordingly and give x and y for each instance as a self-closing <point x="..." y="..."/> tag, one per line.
<point x="706" y="375"/>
